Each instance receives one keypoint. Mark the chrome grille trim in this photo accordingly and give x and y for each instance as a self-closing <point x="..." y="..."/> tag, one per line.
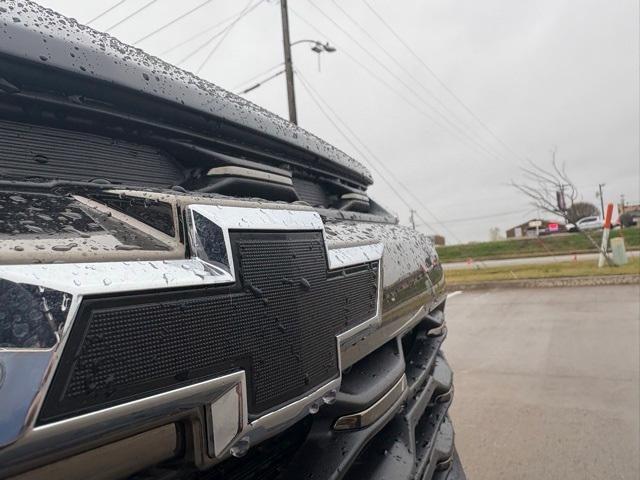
<point x="82" y="279"/>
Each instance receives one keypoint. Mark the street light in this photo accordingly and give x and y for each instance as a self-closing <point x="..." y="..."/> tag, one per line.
<point x="318" y="47"/>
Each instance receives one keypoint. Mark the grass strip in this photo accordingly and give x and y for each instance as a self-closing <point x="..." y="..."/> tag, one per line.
<point x="566" y="244"/>
<point x="551" y="270"/>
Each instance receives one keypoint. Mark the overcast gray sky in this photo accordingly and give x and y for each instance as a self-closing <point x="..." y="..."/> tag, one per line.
<point x="539" y="74"/>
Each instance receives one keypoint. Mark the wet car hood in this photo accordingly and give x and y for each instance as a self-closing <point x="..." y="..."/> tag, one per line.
<point x="36" y="34"/>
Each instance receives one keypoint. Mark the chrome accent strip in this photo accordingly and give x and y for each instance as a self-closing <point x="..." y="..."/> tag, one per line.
<point x="274" y="422"/>
<point x="249" y="173"/>
<point x="37" y="366"/>
<point x="240" y="218"/>
<point x="349" y="256"/>
<point x="354" y="196"/>
<point x="444" y="397"/>
<point x="113" y="277"/>
<point x="70" y="432"/>
<point x="444" y="464"/>
<point x="118" y="459"/>
<point x="374" y="412"/>
<point x="437" y="331"/>
<point x="25" y="372"/>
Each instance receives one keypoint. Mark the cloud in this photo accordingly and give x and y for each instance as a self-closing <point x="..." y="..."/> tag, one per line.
<point x="539" y="74"/>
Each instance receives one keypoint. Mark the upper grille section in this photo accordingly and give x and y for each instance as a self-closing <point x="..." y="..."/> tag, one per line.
<point x="28" y="150"/>
<point x="278" y="323"/>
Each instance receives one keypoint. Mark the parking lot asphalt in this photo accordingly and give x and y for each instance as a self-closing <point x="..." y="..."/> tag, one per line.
<point x="547" y="382"/>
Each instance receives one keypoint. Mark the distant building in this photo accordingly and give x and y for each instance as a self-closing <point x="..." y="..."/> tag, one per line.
<point x="627" y="207"/>
<point x="437" y="240"/>
<point x="535" y="228"/>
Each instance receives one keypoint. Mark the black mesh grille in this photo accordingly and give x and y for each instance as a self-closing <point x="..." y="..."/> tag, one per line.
<point x="37" y="151"/>
<point x="278" y="323"/>
<point x="311" y="192"/>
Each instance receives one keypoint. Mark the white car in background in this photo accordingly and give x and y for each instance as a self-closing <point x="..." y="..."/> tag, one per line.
<point x="587" y="223"/>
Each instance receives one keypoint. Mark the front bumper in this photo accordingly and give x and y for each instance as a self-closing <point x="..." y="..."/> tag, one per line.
<point x="412" y="438"/>
<point x="386" y="377"/>
<point x="403" y="389"/>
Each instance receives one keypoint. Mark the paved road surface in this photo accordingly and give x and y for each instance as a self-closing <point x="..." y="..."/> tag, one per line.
<point x="547" y="382"/>
<point x="527" y="261"/>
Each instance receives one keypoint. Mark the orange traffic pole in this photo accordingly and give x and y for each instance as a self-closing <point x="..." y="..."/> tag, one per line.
<point x="605" y="235"/>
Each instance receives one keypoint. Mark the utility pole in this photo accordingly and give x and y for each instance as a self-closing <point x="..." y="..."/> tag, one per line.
<point x="600" y="185"/>
<point x="412" y="220"/>
<point x="288" y="64"/>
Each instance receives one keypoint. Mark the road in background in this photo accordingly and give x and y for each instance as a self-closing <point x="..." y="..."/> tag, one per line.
<point x="547" y="382"/>
<point x="527" y="260"/>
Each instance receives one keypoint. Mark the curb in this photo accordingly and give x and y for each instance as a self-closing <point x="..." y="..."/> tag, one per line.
<point x="550" y="282"/>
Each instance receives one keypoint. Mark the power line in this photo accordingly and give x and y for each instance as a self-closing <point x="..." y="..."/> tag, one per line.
<point x="393" y="58"/>
<point x="226" y="32"/>
<point x="406" y="85"/>
<point x="200" y="33"/>
<point x="374" y="75"/>
<point x="442" y="83"/>
<point x="365" y="68"/>
<point x="262" y="82"/>
<point x="482" y="217"/>
<point x="358" y="62"/>
<point x="312" y="94"/>
<point x="256" y="76"/>
<point x="363" y="155"/>
<point x="203" y="45"/>
<point x="371" y="154"/>
<point x="177" y="19"/>
<point x="131" y="15"/>
<point x="374" y="157"/>
<point x="100" y="15"/>
<point x="200" y="47"/>
<point x="215" y="48"/>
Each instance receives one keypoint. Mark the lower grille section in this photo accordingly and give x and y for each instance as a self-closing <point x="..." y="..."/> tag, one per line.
<point x="278" y="323"/>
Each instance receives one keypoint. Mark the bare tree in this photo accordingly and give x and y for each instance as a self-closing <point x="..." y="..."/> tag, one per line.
<point x="549" y="189"/>
<point x="553" y="191"/>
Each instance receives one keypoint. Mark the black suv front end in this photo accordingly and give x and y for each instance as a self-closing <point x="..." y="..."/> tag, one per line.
<point x="191" y="287"/>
